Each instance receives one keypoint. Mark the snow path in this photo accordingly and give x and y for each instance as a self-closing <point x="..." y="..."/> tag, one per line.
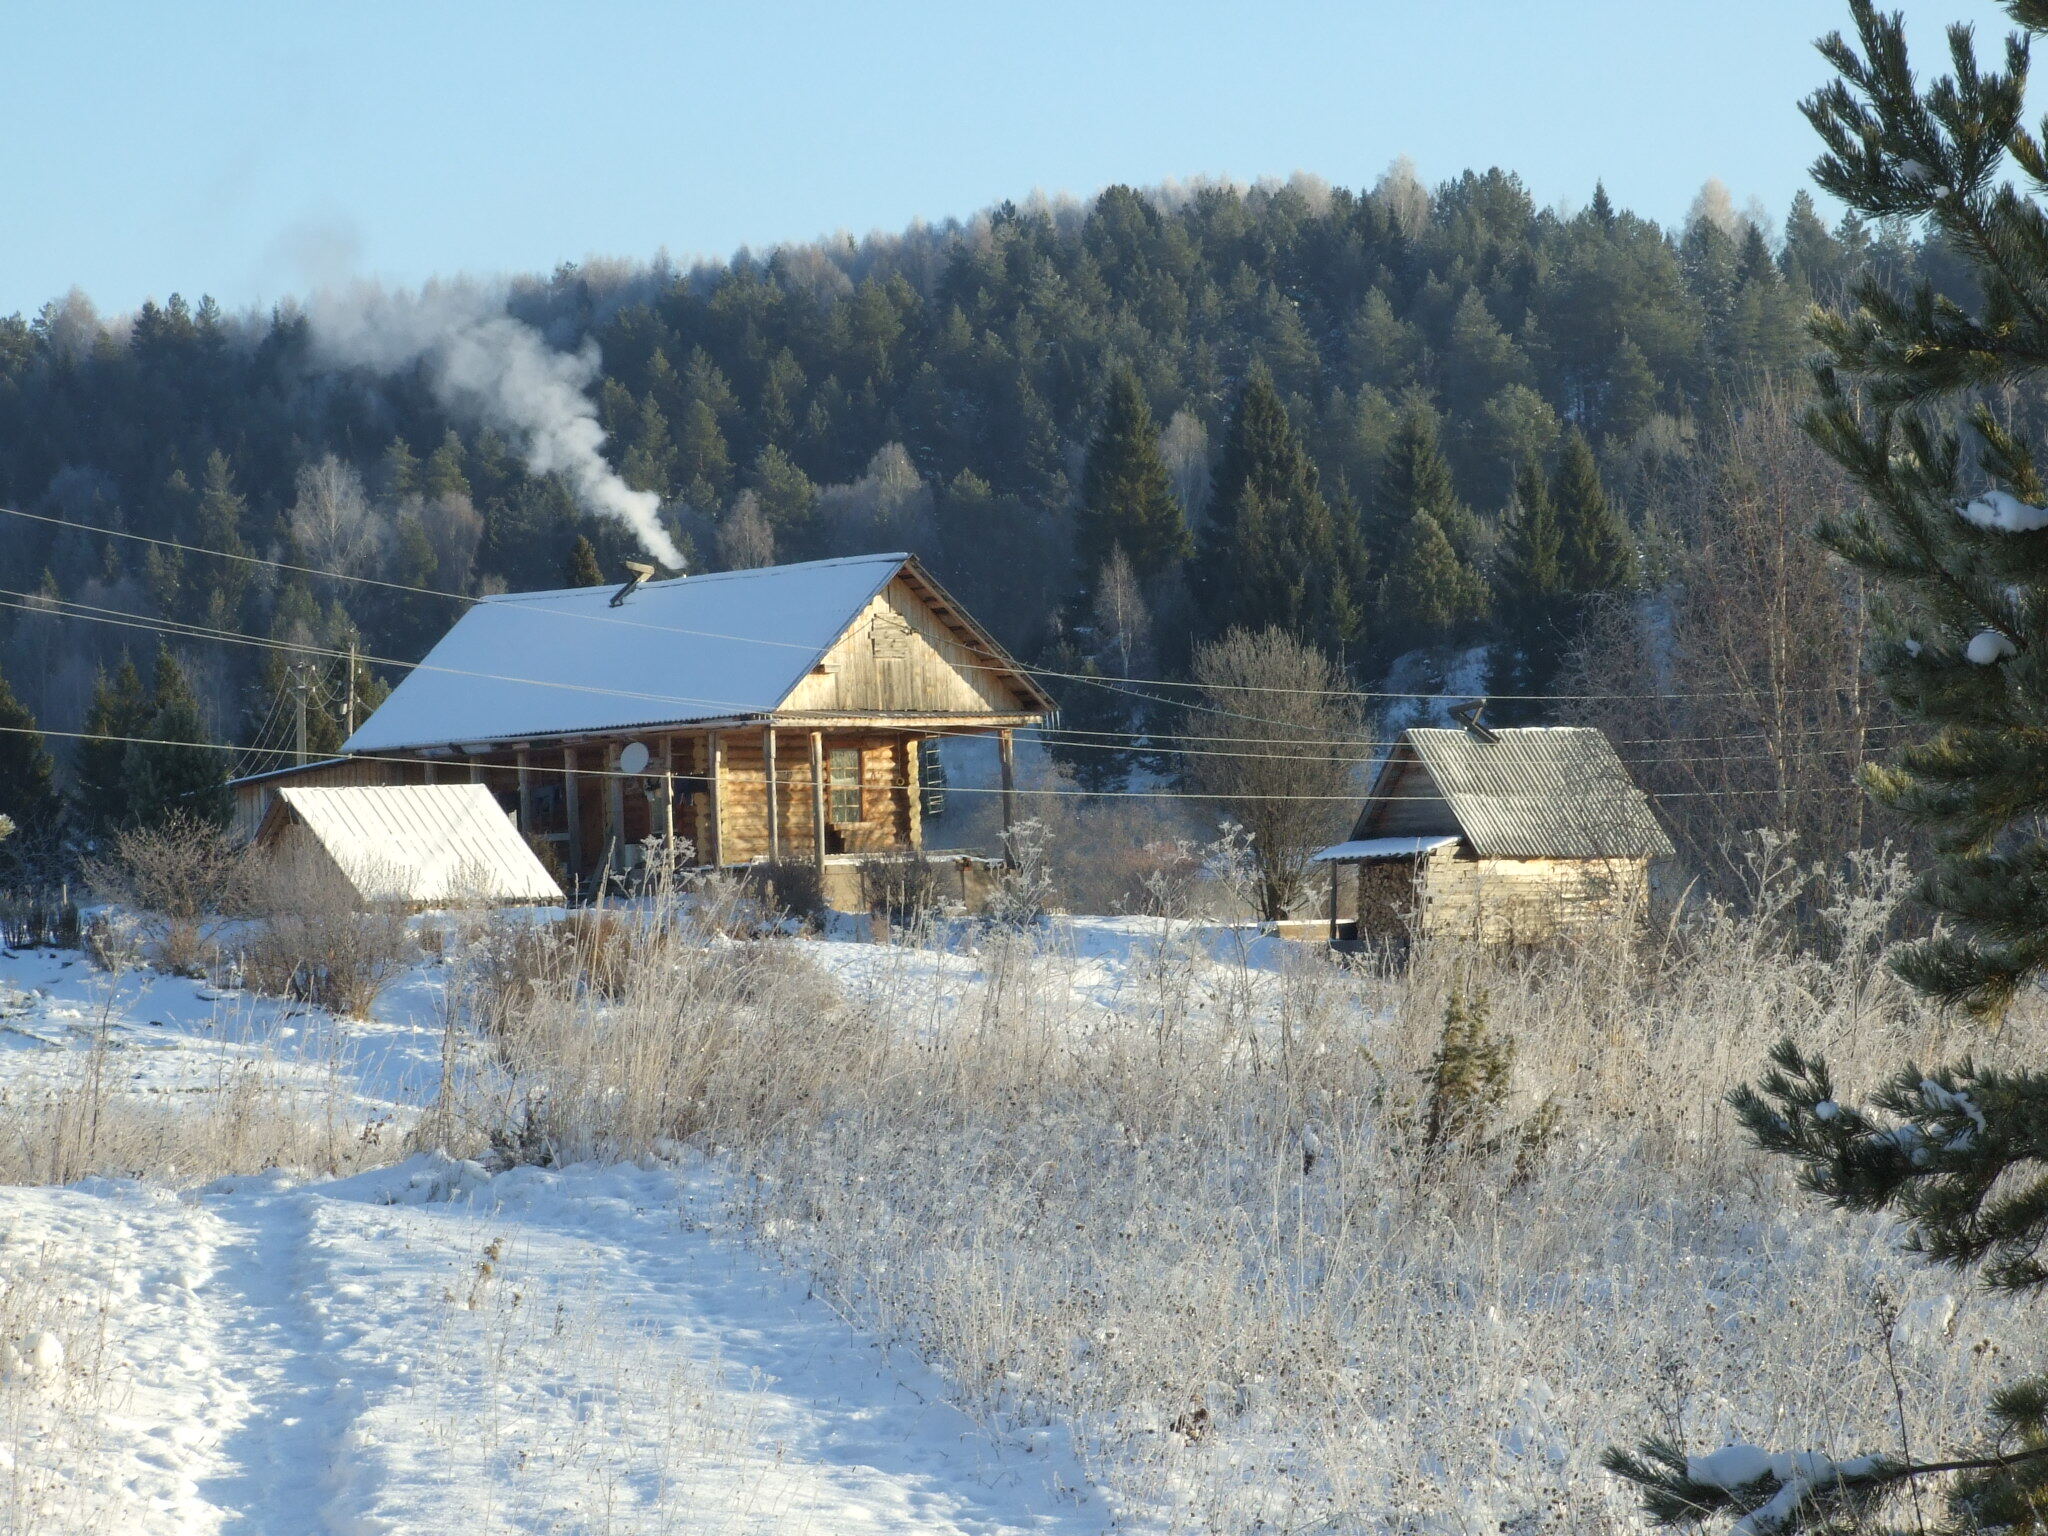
<point x="430" y="1349"/>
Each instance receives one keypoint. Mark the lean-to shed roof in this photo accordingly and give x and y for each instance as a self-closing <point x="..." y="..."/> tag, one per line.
<point x="1534" y="792"/>
<point x="718" y="646"/>
<point x="421" y="844"/>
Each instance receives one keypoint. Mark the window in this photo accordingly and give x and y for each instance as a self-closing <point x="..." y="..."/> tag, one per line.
<point x="844" y="778"/>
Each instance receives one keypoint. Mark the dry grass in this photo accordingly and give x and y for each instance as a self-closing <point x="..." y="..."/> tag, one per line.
<point x="230" y="1113"/>
<point x="1203" y="1221"/>
<point x="182" y="880"/>
<point x="313" y="939"/>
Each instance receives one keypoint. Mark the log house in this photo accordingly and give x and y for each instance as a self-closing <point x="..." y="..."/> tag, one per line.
<point x="752" y="716"/>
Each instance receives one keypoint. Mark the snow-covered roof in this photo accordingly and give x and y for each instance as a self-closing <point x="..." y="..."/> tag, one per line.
<point x="525" y="664"/>
<point x="422" y="844"/>
<point x="1363" y="850"/>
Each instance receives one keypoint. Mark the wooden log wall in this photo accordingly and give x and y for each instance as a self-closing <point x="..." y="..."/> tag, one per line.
<point x="885" y="770"/>
<point x="1530" y="901"/>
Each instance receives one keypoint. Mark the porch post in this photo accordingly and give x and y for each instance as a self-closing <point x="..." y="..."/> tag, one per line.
<point x="614" y="812"/>
<point x="768" y="774"/>
<point x="818" y="800"/>
<point x="525" y="761"/>
<point x="572" y="804"/>
<point x="668" y="790"/>
<point x="714" y="749"/>
<point x="1334" y="867"/>
<point x="1005" y="748"/>
<point x="913" y="792"/>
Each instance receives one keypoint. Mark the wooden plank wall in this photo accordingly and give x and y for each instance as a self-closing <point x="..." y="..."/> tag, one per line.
<point x="252" y="801"/>
<point x="1529" y="901"/>
<point x="1412" y="807"/>
<point x="923" y="671"/>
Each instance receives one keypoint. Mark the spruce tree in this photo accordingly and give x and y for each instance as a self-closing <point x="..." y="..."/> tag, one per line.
<point x="1630" y="396"/>
<point x="1598" y="555"/>
<point x="1430" y="591"/>
<point x="1272" y="554"/>
<point x="119" y="712"/>
<point x="28" y="794"/>
<point x="1127" y="499"/>
<point x="1420" y="540"/>
<point x="219" y="521"/>
<point x="401" y="470"/>
<point x="1954" y="532"/>
<point x="175" y="768"/>
<point x="1530" y="593"/>
<point x="583" y="567"/>
<point x="445" y="480"/>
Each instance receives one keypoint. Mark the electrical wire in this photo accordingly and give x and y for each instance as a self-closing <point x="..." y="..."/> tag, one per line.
<point x="1001" y="663"/>
<point x="951" y="789"/>
<point x="97" y="614"/>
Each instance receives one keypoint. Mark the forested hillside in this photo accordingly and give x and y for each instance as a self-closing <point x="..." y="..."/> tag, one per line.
<point x="1389" y="420"/>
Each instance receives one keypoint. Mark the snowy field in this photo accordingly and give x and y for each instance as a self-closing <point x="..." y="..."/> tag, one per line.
<point x="426" y="1346"/>
<point x="1121" y="1225"/>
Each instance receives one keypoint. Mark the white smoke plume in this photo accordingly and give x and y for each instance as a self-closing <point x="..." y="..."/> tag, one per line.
<point x="500" y="372"/>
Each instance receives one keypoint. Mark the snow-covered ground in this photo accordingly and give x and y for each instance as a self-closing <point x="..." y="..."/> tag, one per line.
<point x="428" y="1347"/>
<point x="1118" y="1201"/>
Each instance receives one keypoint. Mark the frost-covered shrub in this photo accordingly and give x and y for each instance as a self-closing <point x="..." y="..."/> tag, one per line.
<point x="182" y="878"/>
<point x="904" y="891"/>
<point x="313" y="938"/>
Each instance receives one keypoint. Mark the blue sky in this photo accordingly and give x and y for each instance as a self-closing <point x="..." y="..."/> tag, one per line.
<point x="252" y="150"/>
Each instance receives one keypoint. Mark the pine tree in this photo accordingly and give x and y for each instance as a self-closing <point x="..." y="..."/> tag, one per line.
<point x="1598" y="554"/>
<point x="1272" y="554"/>
<point x="584" y="570"/>
<point x="119" y="711"/>
<point x="162" y="775"/>
<point x="1954" y="1153"/>
<point x="1127" y="499"/>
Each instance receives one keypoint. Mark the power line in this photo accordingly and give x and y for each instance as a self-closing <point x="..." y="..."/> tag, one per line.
<point x="951" y="789"/>
<point x="93" y="613"/>
<point x="1005" y="664"/>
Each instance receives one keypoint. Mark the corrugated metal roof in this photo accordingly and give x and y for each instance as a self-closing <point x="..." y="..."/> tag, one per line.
<point x="710" y="647"/>
<point x="1540" y="792"/>
<point x="423" y="844"/>
<point x="549" y="663"/>
<point x="1365" y="849"/>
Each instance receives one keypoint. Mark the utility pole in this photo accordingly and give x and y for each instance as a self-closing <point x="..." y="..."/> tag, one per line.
<point x="349" y="709"/>
<point x="299" y="688"/>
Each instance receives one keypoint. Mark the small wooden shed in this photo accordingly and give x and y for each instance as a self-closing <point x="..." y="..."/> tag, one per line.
<point x="1513" y="835"/>
<point x="415" y="845"/>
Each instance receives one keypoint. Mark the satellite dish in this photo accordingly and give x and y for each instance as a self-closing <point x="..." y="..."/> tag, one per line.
<point x="633" y="757"/>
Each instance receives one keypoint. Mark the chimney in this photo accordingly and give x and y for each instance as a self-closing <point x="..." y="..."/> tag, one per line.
<point x="641" y="571"/>
<point x="1468" y="715"/>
